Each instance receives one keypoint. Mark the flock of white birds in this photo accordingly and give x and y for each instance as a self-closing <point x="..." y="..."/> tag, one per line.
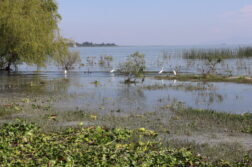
<point x="114" y="70"/>
<point x="160" y="72"/>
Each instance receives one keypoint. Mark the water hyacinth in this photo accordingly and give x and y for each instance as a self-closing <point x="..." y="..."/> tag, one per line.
<point x="23" y="144"/>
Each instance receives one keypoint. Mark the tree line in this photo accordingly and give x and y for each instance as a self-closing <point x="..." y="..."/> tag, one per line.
<point x="91" y="44"/>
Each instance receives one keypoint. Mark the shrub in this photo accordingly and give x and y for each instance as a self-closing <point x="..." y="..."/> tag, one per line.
<point x="67" y="61"/>
<point x="135" y="64"/>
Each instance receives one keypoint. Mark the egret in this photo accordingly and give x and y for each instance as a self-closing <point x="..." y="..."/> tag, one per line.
<point x="161" y="71"/>
<point x="113" y="70"/>
<point x="174" y="72"/>
<point x="65" y="72"/>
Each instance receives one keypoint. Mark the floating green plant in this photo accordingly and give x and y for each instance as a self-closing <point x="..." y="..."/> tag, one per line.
<point x="23" y="144"/>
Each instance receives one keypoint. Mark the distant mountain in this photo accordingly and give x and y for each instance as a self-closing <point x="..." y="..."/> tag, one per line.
<point x="90" y="44"/>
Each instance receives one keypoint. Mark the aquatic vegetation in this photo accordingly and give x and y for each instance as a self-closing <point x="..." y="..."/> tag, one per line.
<point x="208" y="54"/>
<point x="23" y="144"/>
<point x="198" y="119"/>
<point x="211" y="65"/>
<point x="133" y="67"/>
<point x="207" y="78"/>
<point x="243" y="52"/>
<point x="91" y="60"/>
<point x="96" y="83"/>
<point x="163" y="58"/>
<point x="8" y="109"/>
<point x="109" y="112"/>
<point x="248" y="130"/>
<point x="182" y="86"/>
<point x="105" y="60"/>
<point x="135" y="64"/>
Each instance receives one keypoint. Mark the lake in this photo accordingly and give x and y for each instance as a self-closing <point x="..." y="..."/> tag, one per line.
<point x="105" y="92"/>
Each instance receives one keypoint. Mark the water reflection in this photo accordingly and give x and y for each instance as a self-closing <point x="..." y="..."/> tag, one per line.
<point x="111" y="94"/>
<point x="33" y="85"/>
<point x="102" y="59"/>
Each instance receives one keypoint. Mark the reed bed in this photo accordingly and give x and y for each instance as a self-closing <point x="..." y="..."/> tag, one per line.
<point x="201" y="54"/>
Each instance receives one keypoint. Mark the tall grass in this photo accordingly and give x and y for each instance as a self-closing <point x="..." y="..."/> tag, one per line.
<point x="244" y="52"/>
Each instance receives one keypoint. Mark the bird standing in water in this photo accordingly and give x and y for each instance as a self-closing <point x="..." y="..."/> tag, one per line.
<point x="161" y="71"/>
<point x="113" y="70"/>
<point x="174" y="72"/>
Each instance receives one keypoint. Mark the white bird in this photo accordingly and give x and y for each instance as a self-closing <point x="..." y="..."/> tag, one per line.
<point x="174" y="72"/>
<point x="113" y="70"/>
<point x="161" y="71"/>
<point x="65" y="72"/>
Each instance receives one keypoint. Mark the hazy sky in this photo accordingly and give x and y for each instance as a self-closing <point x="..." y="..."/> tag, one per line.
<point x="157" y="22"/>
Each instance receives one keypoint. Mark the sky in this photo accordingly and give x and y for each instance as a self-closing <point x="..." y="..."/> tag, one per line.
<point x="157" y="22"/>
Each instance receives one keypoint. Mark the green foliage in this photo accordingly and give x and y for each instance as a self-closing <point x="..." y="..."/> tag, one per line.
<point x="201" y="54"/>
<point x="245" y="52"/>
<point x="135" y="64"/>
<point x="28" y="32"/>
<point x="23" y="144"/>
<point x="208" y="54"/>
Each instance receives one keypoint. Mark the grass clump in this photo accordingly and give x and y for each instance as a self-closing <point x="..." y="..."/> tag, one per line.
<point x="23" y="144"/>
<point x="247" y="130"/>
<point x="197" y="119"/>
<point x="9" y="109"/>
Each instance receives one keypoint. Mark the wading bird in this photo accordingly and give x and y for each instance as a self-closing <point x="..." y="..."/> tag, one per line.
<point x="113" y="70"/>
<point x="65" y="72"/>
<point x="174" y="72"/>
<point x="161" y="71"/>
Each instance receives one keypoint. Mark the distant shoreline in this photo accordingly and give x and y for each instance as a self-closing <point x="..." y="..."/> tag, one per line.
<point x="90" y="44"/>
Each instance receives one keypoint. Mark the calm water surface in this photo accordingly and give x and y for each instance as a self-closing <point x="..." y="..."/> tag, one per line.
<point x="79" y="91"/>
<point x="156" y="57"/>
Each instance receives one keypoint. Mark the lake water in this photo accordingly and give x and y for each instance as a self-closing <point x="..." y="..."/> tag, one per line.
<point x="109" y="94"/>
<point x="169" y="57"/>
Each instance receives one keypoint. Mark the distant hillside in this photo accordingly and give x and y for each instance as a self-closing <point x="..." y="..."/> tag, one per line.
<point x="90" y="44"/>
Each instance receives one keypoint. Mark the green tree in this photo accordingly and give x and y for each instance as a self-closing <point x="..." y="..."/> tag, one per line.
<point x="29" y="32"/>
<point x="134" y="67"/>
<point x="135" y="64"/>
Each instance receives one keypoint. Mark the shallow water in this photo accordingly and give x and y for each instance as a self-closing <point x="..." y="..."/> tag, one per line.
<point x="155" y="56"/>
<point x="109" y="94"/>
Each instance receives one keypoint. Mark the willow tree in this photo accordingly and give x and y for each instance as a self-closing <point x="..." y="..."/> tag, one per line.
<point x="29" y="32"/>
